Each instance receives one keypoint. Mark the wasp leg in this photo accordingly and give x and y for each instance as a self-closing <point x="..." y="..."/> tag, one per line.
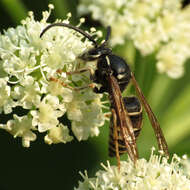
<point x="81" y="71"/>
<point x="93" y="77"/>
<point x="115" y="137"/>
<point x="91" y="85"/>
<point x="108" y="115"/>
<point x="77" y="71"/>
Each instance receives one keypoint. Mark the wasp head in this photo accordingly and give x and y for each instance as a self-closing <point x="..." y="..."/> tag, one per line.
<point x="95" y="53"/>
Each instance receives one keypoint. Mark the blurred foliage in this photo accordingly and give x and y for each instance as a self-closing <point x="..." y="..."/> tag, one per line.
<point x="56" y="167"/>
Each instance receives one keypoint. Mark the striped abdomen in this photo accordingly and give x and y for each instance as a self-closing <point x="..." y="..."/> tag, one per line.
<point x="134" y="109"/>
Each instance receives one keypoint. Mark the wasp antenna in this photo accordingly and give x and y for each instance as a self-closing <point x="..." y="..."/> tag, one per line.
<point x="108" y="33"/>
<point x="72" y="27"/>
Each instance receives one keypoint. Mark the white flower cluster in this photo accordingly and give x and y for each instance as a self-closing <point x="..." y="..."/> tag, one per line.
<point x="159" y="25"/>
<point x="27" y="65"/>
<point x="156" y="174"/>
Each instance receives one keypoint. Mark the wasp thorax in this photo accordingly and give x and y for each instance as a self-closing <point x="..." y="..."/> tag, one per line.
<point x="114" y="65"/>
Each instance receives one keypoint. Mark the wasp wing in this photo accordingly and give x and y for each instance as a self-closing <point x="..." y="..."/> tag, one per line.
<point x="123" y="118"/>
<point x="156" y="126"/>
<point x="113" y="142"/>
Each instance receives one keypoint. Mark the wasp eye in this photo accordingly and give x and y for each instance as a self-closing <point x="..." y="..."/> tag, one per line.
<point x="91" y="55"/>
<point x="94" y="52"/>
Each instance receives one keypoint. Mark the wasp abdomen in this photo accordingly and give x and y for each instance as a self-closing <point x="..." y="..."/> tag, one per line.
<point x="134" y="109"/>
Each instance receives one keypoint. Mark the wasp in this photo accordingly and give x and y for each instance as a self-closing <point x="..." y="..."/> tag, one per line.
<point x="114" y="75"/>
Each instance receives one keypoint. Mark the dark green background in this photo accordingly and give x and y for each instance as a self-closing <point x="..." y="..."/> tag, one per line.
<point x="56" y="167"/>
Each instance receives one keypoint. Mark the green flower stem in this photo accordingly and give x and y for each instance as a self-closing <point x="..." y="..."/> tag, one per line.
<point x="145" y="71"/>
<point x="171" y="101"/>
<point x="156" y="96"/>
<point x="174" y="134"/>
<point x="149" y="74"/>
<point x="176" y="119"/>
<point x="180" y="105"/>
<point x="15" y="9"/>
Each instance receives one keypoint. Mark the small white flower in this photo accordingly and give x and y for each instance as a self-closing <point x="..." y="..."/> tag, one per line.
<point x="58" y="134"/>
<point x="186" y="165"/>
<point x="28" y="93"/>
<point x="56" y="89"/>
<point x="86" y="118"/>
<point x="157" y="173"/>
<point x="144" y="37"/>
<point x="47" y="115"/>
<point x="6" y="102"/>
<point x="21" y="127"/>
<point x="170" y="60"/>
